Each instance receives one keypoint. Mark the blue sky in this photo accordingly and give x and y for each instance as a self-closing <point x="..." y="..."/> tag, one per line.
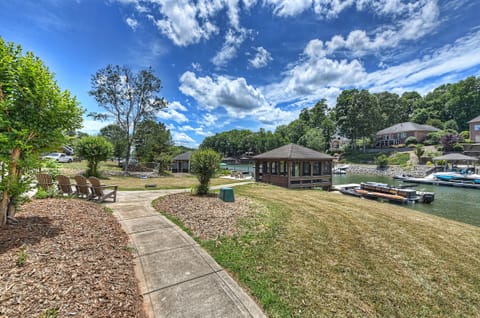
<point x="233" y="64"/>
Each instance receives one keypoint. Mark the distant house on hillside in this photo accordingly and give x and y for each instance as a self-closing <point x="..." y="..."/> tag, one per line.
<point x="475" y="129"/>
<point x="294" y="166"/>
<point x="398" y="134"/>
<point x="338" y="142"/>
<point x="181" y="163"/>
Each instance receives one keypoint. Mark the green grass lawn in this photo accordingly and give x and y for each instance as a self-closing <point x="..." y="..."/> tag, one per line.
<point x="182" y="181"/>
<point x="317" y="254"/>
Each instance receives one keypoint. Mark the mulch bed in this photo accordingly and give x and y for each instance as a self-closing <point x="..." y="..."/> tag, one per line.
<point x="77" y="263"/>
<point x="207" y="217"/>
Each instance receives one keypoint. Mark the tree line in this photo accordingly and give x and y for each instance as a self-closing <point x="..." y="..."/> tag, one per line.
<point x="358" y="115"/>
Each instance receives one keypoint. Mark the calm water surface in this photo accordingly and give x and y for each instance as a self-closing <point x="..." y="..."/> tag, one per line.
<point x="452" y="203"/>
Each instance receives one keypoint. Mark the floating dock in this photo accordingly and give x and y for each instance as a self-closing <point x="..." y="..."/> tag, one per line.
<point x="458" y="184"/>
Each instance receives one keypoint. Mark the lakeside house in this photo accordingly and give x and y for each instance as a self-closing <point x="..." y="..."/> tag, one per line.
<point x="398" y="134"/>
<point x="181" y="163"/>
<point x="294" y="166"/>
<point x="475" y="129"/>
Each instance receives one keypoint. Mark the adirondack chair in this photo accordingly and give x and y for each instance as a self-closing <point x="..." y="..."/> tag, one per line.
<point x="99" y="192"/>
<point x="84" y="190"/>
<point x="64" y="185"/>
<point x="45" y="181"/>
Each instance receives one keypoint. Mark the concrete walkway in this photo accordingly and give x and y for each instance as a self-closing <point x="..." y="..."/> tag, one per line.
<point x="177" y="277"/>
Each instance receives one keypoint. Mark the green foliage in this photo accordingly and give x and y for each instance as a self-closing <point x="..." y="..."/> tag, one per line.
<point x="117" y="137"/>
<point x="151" y="140"/>
<point x="398" y="158"/>
<point x="35" y="116"/>
<point x="381" y="161"/>
<point x="127" y="97"/>
<point x="433" y="138"/>
<point x="50" y="313"/>
<point x="419" y="151"/>
<point x="457" y="147"/>
<point x="94" y="149"/>
<point x="411" y="140"/>
<point x="203" y="164"/>
<point x="44" y="194"/>
<point x="465" y="134"/>
<point x="22" y="256"/>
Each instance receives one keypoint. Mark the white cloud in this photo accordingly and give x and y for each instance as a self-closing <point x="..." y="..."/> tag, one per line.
<point x="234" y="95"/>
<point x="172" y="112"/>
<point x="198" y="131"/>
<point x="92" y="127"/>
<point x="132" y="23"/>
<point x="181" y="138"/>
<point x="261" y="58"/>
<point x="208" y="120"/>
<point x="233" y="40"/>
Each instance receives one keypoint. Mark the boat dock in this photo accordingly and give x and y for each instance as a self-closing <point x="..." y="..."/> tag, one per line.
<point x="458" y="184"/>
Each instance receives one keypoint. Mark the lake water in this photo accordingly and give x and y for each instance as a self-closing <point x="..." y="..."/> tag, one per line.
<point x="452" y="203"/>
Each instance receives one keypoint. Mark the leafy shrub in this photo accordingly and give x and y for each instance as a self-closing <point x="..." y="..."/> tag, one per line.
<point x="457" y="148"/>
<point x="94" y="149"/>
<point x="411" y="140"/>
<point x="203" y="164"/>
<point x="381" y="161"/>
<point x="465" y="134"/>
<point x="398" y="158"/>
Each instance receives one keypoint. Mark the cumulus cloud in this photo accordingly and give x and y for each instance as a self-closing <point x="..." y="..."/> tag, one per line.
<point x="233" y="40"/>
<point x="172" y="112"/>
<point x="132" y="23"/>
<point x="261" y="58"/>
<point x="208" y="120"/>
<point x="92" y="127"/>
<point x="235" y="95"/>
<point x="181" y="138"/>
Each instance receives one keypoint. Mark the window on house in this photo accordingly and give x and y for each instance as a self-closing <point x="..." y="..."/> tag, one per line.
<point x="316" y="168"/>
<point x="295" y="167"/>
<point x="306" y="169"/>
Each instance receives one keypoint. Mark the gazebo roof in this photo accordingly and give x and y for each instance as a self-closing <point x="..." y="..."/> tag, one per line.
<point x="293" y="151"/>
<point x="184" y="156"/>
<point x="455" y="157"/>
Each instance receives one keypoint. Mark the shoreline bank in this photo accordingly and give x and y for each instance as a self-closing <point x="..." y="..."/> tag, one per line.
<point x="390" y="171"/>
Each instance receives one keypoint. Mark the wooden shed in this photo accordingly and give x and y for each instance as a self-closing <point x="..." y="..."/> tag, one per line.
<point x="294" y="166"/>
<point x="181" y="163"/>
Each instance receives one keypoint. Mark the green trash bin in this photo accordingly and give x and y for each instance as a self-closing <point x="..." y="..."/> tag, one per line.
<point x="226" y="194"/>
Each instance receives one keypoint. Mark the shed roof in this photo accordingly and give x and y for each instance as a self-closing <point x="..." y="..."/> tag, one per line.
<point x="407" y="126"/>
<point x="455" y="157"/>
<point x="475" y="120"/>
<point x="184" y="156"/>
<point x="293" y="151"/>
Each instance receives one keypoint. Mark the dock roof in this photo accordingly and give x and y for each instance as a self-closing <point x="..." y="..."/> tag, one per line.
<point x="455" y="157"/>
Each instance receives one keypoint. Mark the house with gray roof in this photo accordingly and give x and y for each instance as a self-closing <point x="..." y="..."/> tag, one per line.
<point x="475" y="129"/>
<point x="398" y="134"/>
<point x="181" y="163"/>
<point x="294" y="166"/>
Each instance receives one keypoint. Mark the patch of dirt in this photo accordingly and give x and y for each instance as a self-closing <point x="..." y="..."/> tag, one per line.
<point x="207" y="217"/>
<point x="76" y="262"/>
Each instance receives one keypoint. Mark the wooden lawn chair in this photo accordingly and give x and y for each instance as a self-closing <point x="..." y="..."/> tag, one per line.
<point x="84" y="190"/>
<point x="64" y="185"/>
<point x="99" y="192"/>
<point x="45" y="181"/>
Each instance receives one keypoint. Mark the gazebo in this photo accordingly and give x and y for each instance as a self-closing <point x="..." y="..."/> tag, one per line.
<point x="456" y="158"/>
<point x="181" y="163"/>
<point x="294" y="166"/>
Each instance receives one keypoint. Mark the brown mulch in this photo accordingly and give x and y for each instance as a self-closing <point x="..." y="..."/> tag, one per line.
<point x="207" y="217"/>
<point x="78" y="263"/>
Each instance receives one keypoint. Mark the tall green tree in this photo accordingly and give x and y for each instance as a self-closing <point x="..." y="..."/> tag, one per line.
<point x="151" y="140"/>
<point x="35" y="115"/>
<point x="127" y="97"/>
<point x="117" y="137"/>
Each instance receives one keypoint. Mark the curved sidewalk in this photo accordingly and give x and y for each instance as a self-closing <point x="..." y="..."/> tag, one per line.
<point x="177" y="277"/>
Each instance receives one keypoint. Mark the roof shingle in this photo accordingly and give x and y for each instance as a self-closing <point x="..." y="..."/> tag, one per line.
<point x="293" y="151"/>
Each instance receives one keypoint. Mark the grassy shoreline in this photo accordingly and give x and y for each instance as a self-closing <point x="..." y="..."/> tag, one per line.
<point x="313" y="253"/>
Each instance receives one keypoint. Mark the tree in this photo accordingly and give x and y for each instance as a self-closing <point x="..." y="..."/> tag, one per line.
<point x="117" y="137"/>
<point x="94" y="149"/>
<point x="313" y="139"/>
<point x="203" y="164"/>
<point x="35" y="115"/>
<point x="449" y="140"/>
<point x="128" y="98"/>
<point x="419" y="151"/>
<point x="151" y="140"/>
